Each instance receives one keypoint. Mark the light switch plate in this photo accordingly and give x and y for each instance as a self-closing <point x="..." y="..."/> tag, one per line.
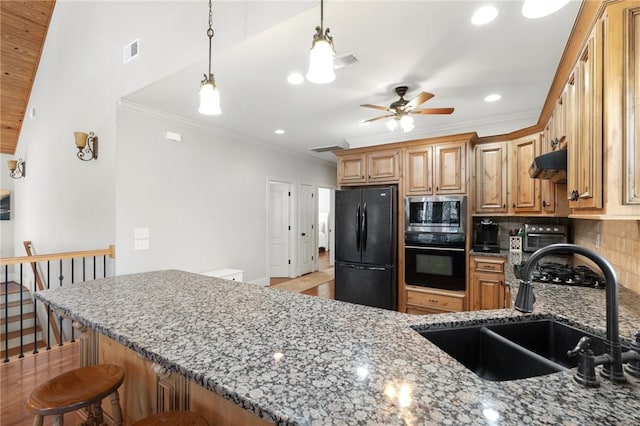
<point x="140" y="233"/>
<point x="141" y="244"/>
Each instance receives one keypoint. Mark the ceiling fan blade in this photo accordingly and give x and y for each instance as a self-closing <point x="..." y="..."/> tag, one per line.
<point x="421" y="98"/>
<point x="376" y="107"/>
<point x="378" y="118"/>
<point x="432" y="111"/>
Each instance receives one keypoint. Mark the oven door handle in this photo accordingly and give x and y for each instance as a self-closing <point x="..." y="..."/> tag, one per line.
<point x="434" y="248"/>
<point x="544" y="235"/>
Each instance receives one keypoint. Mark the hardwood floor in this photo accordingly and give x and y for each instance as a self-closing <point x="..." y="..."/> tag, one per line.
<point x="18" y="377"/>
<point x="323" y="263"/>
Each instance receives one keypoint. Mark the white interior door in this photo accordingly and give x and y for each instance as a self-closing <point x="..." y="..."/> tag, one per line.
<point x="307" y="218"/>
<point x="279" y="229"/>
<point x="332" y="222"/>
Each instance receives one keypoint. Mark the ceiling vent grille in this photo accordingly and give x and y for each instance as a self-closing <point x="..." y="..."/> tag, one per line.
<point x="344" y="61"/>
<point x="326" y="148"/>
<point x="130" y="51"/>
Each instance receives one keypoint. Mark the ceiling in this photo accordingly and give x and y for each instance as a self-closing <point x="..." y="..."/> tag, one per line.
<point x="24" y="27"/>
<point x="427" y="45"/>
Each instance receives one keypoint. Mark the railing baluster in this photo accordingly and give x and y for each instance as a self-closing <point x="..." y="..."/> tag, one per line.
<point x="73" y="337"/>
<point x="104" y="266"/>
<point x="83" y="269"/>
<point x="35" y="311"/>
<point x="21" y="316"/>
<point x="94" y="267"/>
<point x="60" y="277"/>
<point x="48" y="307"/>
<point x="6" y="313"/>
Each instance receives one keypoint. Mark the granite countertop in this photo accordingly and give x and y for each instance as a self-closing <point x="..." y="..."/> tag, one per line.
<point x="341" y="363"/>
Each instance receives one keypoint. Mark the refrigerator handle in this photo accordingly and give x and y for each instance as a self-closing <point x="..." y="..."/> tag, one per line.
<point x="358" y="227"/>
<point x="364" y="227"/>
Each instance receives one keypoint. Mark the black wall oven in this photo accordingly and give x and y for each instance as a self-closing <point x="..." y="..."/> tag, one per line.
<point x="435" y="261"/>
<point x="435" y="237"/>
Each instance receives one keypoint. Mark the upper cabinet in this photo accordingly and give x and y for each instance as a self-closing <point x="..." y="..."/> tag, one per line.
<point x="584" y="138"/>
<point x="491" y="178"/>
<point x="436" y="169"/>
<point x="525" y="191"/>
<point x="369" y="167"/>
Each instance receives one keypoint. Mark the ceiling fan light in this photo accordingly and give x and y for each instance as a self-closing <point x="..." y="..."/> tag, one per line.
<point x="209" y="99"/>
<point x="392" y="124"/>
<point x="321" y="62"/>
<point x="406" y="120"/>
<point x="533" y="9"/>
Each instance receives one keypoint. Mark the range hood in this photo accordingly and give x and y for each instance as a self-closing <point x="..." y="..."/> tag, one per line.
<point x="552" y="165"/>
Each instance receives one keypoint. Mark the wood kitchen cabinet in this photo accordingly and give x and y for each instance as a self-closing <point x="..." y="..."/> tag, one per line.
<point x="423" y="301"/>
<point x="436" y="169"/>
<point x="525" y="191"/>
<point x="584" y="126"/>
<point x="488" y="289"/>
<point x="369" y="167"/>
<point x="491" y="178"/>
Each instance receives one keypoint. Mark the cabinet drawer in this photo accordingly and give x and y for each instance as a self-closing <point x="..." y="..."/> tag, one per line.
<point x="488" y="265"/>
<point x="439" y="301"/>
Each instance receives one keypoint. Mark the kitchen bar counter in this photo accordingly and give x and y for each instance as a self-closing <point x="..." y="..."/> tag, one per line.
<point x="338" y="363"/>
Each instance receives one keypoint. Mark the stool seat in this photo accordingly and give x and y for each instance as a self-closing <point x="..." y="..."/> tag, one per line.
<point x="75" y="389"/>
<point x="173" y="418"/>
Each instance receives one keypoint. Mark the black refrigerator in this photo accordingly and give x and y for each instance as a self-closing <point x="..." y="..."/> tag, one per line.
<point x="366" y="246"/>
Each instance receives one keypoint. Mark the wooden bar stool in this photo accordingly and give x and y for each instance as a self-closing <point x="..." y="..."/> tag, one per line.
<point x="173" y="418"/>
<point x="76" y="389"/>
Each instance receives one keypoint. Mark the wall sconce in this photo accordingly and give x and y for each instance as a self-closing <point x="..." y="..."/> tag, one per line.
<point x="16" y="168"/>
<point x="87" y="146"/>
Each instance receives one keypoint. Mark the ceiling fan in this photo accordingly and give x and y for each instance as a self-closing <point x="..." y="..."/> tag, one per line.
<point x="401" y="109"/>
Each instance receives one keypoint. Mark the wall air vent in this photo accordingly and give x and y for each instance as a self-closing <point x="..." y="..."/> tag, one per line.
<point x="344" y="60"/>
<point x="130" y="51"/>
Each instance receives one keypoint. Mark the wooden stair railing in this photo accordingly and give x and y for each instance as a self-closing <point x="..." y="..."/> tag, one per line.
<point x="42" y="284"/>
<point x="52" y="320"/>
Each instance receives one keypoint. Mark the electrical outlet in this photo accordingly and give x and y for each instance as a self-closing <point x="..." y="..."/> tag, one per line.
<point x="597" y="240"/>
<point x="141" y="244"/>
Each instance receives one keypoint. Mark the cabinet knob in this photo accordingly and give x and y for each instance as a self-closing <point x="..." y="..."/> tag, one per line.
<point x="429" y="189"/>
<point x="514" y="205"/>
<point x="544" y="203"/>
<point x="437" y="188"/>
<point x="575" y="195"/>
<point x="504" y="206"/>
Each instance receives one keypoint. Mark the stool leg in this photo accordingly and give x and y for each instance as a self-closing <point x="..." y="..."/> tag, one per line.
<point x="116" y="410"/>
<point x="38" y="420"/>
<point x="97" y="413"/>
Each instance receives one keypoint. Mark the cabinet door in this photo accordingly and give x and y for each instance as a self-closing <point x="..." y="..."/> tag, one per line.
<point x="418" y="178"/>
<point x="352" y="169"/>
<point x="450" y="168"/>
<point x="384" y="166"/>
<point x="547" y="187"/>
<point x="491" y="178"/>
<point x="489" y="291"/>
<point x="585" y="180"/>
<point x="525" y="191"/>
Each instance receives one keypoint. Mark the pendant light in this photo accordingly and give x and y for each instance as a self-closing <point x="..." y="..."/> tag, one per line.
<point x="321" y="56"/>
<point x="209" y="96"/>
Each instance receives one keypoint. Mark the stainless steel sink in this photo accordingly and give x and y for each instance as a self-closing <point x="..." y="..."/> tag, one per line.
<point x="510" y="351"/>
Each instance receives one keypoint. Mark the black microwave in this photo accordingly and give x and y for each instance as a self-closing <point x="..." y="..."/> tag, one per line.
<point x="438" y="213"/>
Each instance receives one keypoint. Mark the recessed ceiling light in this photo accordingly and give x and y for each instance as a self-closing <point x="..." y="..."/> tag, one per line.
<point x="492" y="98"/>
<point x="295" y="78"/>
<point x="279" y="132"/>
<point x="538" y="8"/>
<point x="484" y="15"/>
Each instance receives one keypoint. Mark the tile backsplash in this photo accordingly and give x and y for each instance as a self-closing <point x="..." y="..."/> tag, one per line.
<point x="618" y="241"/>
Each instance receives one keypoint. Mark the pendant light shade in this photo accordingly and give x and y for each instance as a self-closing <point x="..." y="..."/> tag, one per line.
<point x="209" y="96"/>
<point x="321" y="62"/>
<point x="321" y="57"/>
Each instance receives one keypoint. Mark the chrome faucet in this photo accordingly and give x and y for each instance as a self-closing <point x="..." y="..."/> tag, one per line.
<point x="613" y="359"/>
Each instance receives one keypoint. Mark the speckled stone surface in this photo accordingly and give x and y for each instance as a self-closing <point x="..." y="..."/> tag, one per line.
<point x="341" y="364"/>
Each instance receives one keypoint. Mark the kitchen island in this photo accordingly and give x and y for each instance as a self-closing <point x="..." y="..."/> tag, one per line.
<point x="295" y="359"/>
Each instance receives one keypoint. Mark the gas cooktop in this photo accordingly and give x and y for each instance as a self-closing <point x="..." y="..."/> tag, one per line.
<point x="557" y="273"/>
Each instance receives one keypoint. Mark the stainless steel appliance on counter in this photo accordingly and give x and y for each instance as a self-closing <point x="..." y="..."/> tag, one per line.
<point x="366" y="246"/>
<point x="435" y="239"/>
<point x="537" y="236"/>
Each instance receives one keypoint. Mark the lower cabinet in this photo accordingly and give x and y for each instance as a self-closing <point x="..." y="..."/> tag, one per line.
<point x="488" y="289"/>
<point x="423" y="301"/>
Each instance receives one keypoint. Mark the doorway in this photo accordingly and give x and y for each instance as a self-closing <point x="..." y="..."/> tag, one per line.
<point x="326" y="257"/>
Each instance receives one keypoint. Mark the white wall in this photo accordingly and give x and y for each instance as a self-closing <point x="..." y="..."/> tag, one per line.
<point x="203" y="200"/>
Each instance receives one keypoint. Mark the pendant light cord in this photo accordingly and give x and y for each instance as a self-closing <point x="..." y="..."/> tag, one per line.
<point x="210" y="35"/>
